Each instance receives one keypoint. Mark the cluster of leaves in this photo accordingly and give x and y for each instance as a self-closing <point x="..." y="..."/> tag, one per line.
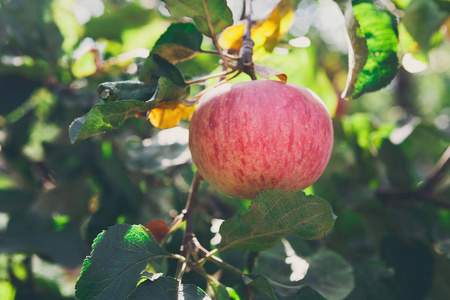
<point x="389" y="241"/>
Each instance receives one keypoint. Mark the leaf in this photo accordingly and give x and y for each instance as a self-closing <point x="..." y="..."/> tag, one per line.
<point x="166" y="149"/>
<point x="266" y="33"/>
<point x="329" y="274"/>
<point x="307" y="293"/>
<point x="118" y="257"/>
<point x="288" y="271"/>
<point x="373" y="281"/>
<point x="422" y="19"/>
<point x="373" y="45"/>
<point x="180" y="42"/>
<point x="268" y="72"/>
<point x="261" y="283"/>
<point x="273" y="215"/>
<point x="167" y="288"/>
<point x="156" y="66"/>
<point x="203" y="12"/>
<point x="105" y="117"/>
<point x="125" y="90"/>
<point x="31" y="232"/>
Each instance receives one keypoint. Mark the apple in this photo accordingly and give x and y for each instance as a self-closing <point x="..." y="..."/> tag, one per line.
<point x="253" y="136"/>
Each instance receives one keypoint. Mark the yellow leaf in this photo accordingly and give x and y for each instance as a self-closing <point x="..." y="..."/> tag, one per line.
<point x="266" y="33"/>
<point x="168" y="114"/>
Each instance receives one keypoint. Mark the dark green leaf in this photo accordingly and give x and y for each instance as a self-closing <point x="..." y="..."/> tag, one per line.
<point x="125" y="90"/>
<point x="288" y="272"/>
<point x="105" y="117"/>
<point x="373" y="51"/>
<point x="203" y="12"/>
<point x="261" y="283"/>
<point x="307" y="293"/>
<point x="275" y="214"/>
<point x="155" y="67"/>
<point x="329" y="274"/>
<point x="373" y="281"/>
<point x="118" y="257"/>
<point x="397" y="165"/>
<point x="422" y="19"/>
<point x="30" y="232"/>
<point x="165" y="288"/>
<point x="180" y="42"/>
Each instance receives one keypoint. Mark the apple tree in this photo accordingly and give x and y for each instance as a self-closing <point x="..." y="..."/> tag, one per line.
<point x="225" y="149"/>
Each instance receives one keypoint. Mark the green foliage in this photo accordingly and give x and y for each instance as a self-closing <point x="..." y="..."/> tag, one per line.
<point x="382" y="233"/>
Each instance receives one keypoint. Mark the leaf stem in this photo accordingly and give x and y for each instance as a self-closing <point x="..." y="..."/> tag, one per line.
<point x="231" y="57"/>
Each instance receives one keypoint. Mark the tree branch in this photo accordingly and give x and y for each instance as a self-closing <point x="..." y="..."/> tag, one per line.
<point x="245" y="62"/>
<point x="437" y="173"/>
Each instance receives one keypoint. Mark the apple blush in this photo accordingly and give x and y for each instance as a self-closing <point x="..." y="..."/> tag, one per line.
<point x="259" y="135"/>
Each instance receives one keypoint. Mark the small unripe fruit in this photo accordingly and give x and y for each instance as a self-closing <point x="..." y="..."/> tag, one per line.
<point x="252" y="136"/>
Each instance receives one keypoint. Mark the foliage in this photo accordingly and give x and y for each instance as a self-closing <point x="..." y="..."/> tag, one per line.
<point x="376" y="225"/>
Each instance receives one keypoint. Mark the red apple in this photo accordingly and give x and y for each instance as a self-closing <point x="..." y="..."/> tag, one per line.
<point x="249" y="137"/>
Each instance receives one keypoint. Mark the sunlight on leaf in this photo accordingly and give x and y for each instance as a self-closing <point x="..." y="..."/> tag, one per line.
<point x="103" y="276"/>
<point x="373" y="38"/>
<point x="266" y="33"/>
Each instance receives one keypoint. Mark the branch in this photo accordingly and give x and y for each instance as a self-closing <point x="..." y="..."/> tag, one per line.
<point x="245" y="62"/>
<point x="426" y="190"/>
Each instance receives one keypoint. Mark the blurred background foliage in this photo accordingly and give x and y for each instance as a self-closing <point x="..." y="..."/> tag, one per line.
<point x="392" y="232"/>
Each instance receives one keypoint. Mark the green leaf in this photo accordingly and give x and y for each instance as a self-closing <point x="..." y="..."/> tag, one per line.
<point x="330" y="275"/>
<point x="261" y="283"/>
<point x="422" y="19"/>
<point x="167" y="288"/>
<point x="125" y="90"/>
<point x="118" y="257"/>
<point x="373" y="47"/>
<point x="273" y="215"/>
<point x="307" y="293"/>
<point x="220" y="291"/>
<point x="180" y="42"/>
<point x="203" y="12"/>
<point x="105" y="117"/>
<point x="156" y="66"/>
<point x="373" y="281"/>
<point x="168" y="91"/>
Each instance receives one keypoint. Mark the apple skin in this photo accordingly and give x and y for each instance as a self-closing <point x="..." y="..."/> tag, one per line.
<point x="259" y="135"/>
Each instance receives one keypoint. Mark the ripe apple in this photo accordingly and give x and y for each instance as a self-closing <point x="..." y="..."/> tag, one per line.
<point x="248" y="137"/>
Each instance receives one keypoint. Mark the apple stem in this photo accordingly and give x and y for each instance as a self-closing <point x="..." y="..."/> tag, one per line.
<point x="245" y="62"/>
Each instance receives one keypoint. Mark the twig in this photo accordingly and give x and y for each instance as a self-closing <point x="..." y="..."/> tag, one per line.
<point x="426" y="190"/>
<point x="437" y="173"/>
<point x="229" y="56"/>
<point x="245" y="62"/>
<point x="203" y="79"/>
